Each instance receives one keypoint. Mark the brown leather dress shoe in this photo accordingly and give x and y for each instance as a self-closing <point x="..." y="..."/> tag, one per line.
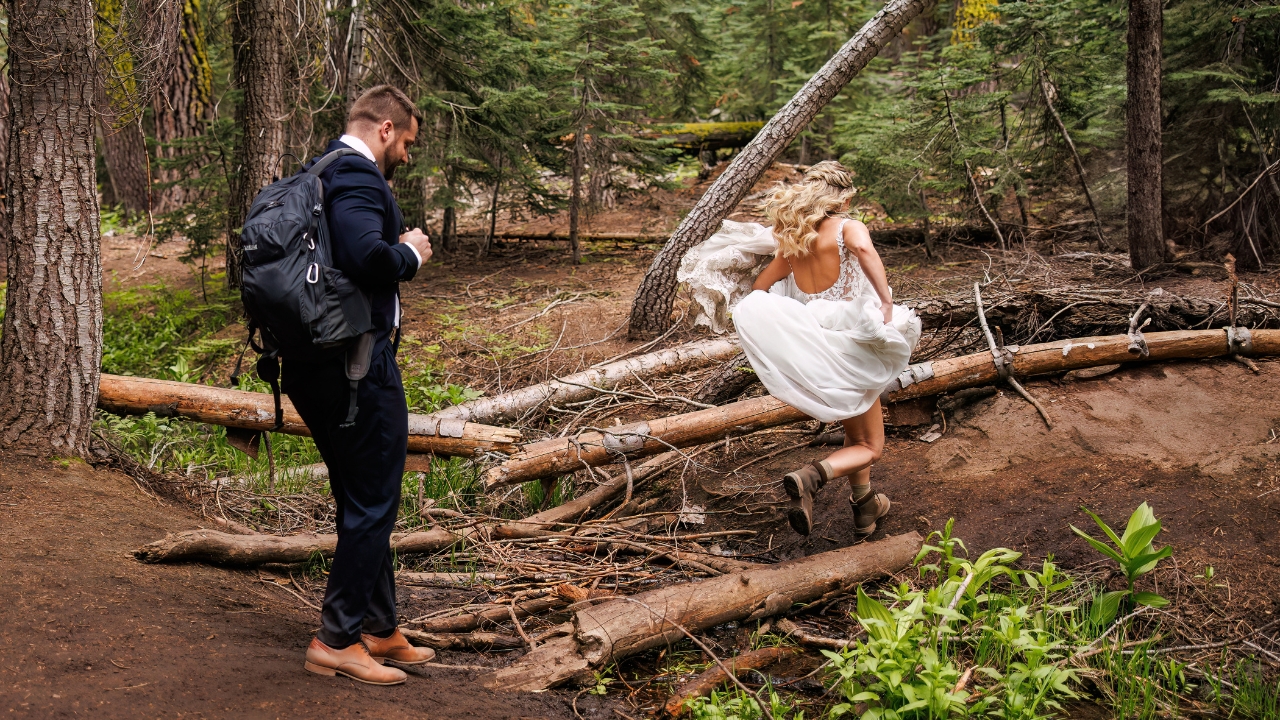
<point x="397" y="649"/>
<point x="352" y="661"/>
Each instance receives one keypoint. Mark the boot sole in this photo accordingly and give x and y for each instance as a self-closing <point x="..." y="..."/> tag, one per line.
<point x="330" y="672"/>
<point x="799" y="522"/>
<point x="791" y="484"/>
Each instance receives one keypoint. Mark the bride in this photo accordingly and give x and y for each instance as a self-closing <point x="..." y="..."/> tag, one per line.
<point x="818" y="325"/>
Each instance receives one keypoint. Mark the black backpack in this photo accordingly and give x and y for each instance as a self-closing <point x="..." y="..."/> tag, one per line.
<point x="302" y="307"/>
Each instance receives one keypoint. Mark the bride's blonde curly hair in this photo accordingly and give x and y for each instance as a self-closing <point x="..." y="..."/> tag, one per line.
<point x="795" y="210"/>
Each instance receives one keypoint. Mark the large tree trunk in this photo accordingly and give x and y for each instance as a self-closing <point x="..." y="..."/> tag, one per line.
<point x="4" y="169"/>
<point x="616" y="629"/>
<point x="52" y="343"/>
<point x="1143" y="121"/>
<point x="183" y="106"/>
<point x="259" y="50"/>
<point x="554" y="456"/>
<point x="651" y="309"/>
<point x="580" y="386"/>
<point x="124" y="151"/>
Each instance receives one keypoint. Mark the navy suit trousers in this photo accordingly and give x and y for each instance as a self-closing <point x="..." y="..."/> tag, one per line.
<point x="366" y="465"/>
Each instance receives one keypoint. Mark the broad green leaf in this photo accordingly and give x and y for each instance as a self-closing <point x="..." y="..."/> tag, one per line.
<point x="1138" y="542"/>
<point x="869" y="608"/>
<point x="1105" y="607"/>
<point x="1099" y="546"/>
<point x="1142" y="517"/>
<point x="1150" y="599"/>
<point x="1105" y="528"/>
<point x="1143" y="564"/>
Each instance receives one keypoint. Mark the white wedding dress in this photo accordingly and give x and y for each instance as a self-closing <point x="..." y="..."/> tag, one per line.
<point x="828" y="354"/>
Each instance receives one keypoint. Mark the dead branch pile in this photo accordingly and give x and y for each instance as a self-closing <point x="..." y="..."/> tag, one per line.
<point x="621" y="627"/>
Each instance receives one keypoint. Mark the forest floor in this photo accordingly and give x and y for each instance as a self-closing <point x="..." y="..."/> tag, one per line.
<point x="87" y="630"/>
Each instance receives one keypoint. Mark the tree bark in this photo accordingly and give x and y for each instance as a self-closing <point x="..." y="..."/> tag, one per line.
<point x="51" y="348"/>
<point x="124" y="152"/>
<point x="259" y="59"/>
<point x="222" y="548"/>
<point x="731" y="380"/>
<point x="1143" y="120"/>
<point x="616" y="629"/>
<point x="183" y="107"/>
<point x="555" y="456"/>
<point x="256" y="411"/>
<point x="580" y="386"/>
<point x="4" y="168"/>
<point x="651" y="309"/>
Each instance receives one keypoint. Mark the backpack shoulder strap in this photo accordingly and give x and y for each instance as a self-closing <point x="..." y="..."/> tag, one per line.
<point x="324" y="162"/>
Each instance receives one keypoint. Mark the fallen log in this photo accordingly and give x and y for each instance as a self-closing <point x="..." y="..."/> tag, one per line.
<point x="703" y="137"/>
<point x="255" y="411"/>
<point x="556" y="456"/>
<point x="713" y="677"/>
<point x="222" y="548"/>
<point x="603" y="446"/>
<point x="586" y="384"/>
<point x="616" y="629"/>
<point x="481" y="641"/>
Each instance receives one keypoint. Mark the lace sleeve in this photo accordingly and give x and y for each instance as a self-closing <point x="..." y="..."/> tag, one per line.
<point x="720" y="271"/>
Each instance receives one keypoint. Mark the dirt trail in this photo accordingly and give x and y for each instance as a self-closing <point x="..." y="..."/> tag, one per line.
<point x="85" y="630"/>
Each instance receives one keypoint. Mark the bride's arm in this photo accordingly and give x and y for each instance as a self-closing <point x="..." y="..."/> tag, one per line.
<point x="772" y="273"/>
<point x="858" y="239"/>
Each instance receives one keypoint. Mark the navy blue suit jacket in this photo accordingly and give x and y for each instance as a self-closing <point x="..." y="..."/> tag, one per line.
<point x="364" y="232"/>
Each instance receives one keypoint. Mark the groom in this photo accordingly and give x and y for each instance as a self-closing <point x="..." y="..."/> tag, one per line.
<point x="366" y="461"/>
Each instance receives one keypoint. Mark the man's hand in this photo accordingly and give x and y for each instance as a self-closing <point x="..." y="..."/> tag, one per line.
<point x="419" y="241"/>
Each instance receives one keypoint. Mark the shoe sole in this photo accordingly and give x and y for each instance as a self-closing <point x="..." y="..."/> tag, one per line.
<point x="330" y="672"/>
<point x="384" y="661"/>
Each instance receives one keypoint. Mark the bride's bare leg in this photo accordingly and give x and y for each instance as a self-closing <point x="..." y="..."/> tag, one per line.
<point x="863" y="445"/>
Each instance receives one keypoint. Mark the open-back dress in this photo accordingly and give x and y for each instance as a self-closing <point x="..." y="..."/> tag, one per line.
<point x="828" y="354"/>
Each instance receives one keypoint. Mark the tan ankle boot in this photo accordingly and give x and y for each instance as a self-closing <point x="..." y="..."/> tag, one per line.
<point x="352" y="661"/>
<point x="867" y="511"/>
<point x="397" y="649"/>
<point x="801" y="485"/>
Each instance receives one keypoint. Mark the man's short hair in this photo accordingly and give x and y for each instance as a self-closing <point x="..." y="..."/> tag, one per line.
<point x="384" y="102"/>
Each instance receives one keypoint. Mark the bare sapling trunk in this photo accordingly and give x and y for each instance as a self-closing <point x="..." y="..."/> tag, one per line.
<point x="575" y="197"/>
<point x="355" y="60"/>
<point x="1048" y="91"/>
<point x="1143" y="120"/>
<point x="651" y="309"/>
<point x="619" y="628"/>
<point x="259" y="60"/>
<point x="52" y="342"/>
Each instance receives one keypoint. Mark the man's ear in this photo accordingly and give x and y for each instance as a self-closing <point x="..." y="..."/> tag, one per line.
<point x="386" y="131"/>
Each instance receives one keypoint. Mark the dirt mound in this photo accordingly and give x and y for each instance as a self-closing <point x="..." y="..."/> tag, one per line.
<point x="87" y="630"/>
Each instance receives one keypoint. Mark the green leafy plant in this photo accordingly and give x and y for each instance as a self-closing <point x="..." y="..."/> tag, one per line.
<point x="1136" y="556"/>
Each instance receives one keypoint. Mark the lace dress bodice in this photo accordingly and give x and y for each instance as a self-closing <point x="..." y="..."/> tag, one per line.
<point x="851" y="284"/>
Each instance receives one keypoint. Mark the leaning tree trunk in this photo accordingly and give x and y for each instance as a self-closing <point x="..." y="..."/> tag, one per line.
<point x="651" y="309"/>
<point x="259" y="44"/>
<point x="124" y="152"/>
<point x="52" y="342"/>
<point x="355" y="59"/>
<point x="182" y="107"/>
<point x="1143" y="121"/>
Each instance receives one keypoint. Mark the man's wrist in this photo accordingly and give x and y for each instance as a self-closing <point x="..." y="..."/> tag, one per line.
<point x="416" y="254"/>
